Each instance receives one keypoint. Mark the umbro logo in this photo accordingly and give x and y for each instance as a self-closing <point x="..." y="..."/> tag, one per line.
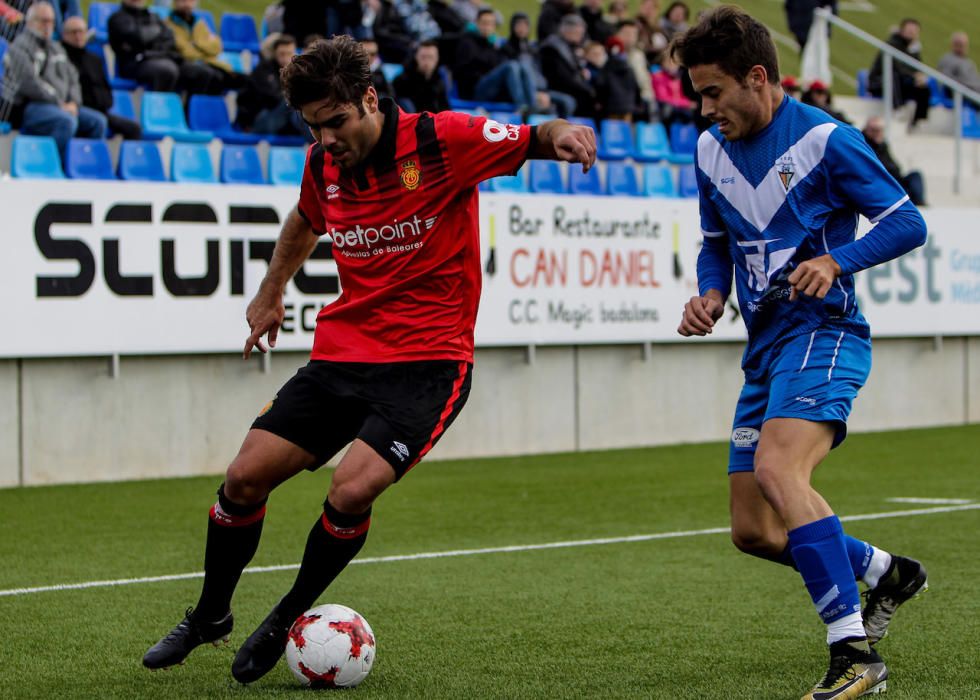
<point x="399" y="449"/>
<point x="332" y="191"/>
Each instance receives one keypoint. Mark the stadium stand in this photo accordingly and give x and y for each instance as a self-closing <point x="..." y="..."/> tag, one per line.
<point x="98" y="20"/>
<point x="687" y="182"/>
<point x="615" y="140"/>
<point x="621" y="180"/>
<point x="286" y="165"/>
<point x="209" y="113"/>
<point x="683" y="143"/>
<point x="584" y="182"/>
<point x="546" y="177"/>
<point x="652" y="144"/>
<point x="509" y="183"/>
<point x="240" y="165"/>
<point x="162" y="114"/>
<point x="658" y="181"/>
<point x="36" y="157"/>
<point x="140" y="160"/>
<point x="238" y="33"/>
<point x="88" y="159"/>
<point x="191" y="162"/>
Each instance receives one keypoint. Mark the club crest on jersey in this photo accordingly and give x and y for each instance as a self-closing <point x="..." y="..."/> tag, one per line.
<point x="411" y="175"/>
<point x="786" y="170"/>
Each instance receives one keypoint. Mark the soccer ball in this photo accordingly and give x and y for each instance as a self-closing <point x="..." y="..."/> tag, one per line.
<point x="330" y="646"/>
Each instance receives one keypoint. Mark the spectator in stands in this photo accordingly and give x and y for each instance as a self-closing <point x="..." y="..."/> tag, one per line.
<point x="791" y="86"/>
<point x="675" y="20"/>
<point x="261" y="106"/>
<point x="199" y="46"/>
<point x="958" y="65"/>
<point x="96" y="93"/>
<point x="674" y="104"/>
<point x="272" y="17"/>
<point x="818" y="95"/>
<point x="651" y="39"/>
<point x="912" y="182"/>
<point x="618" y="11"/>
<point x="519" y="48"/>
<point x="550" y="16"/>
<point x="484" y="74"/>
<point x="561" y="67"/>
<point x="389" y="30"/>
<point x="378" y="79"/>
<point x="300" y="18"/>
<point x="616" y="91"/>
<point x="799" y="17"/>
<point x="468" y="10"/>
<point x="907" y="83"/>
<point x="596" y="27"/>
<point x="628" y="32"/>
<point x="418" y="22"/>
<point x="420" y="88"/>
<point x="47" y="99"/>
<point x="146" y="51"/>
<point x="449" y="20"/>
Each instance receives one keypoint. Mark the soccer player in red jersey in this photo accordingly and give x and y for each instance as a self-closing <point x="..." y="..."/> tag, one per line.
<point x="392" y="358"/>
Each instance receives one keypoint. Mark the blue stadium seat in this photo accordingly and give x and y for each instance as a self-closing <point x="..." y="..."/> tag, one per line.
<point x="140" y="160"/>
<point x="98" y="19"/>
<point x="115" y="82"/>
<point x="615" y="140"/>
<point x="208" y="17"/>
<point x="191" y="162"/>
<point x="238" y="32"/>
<point x="122" y="104"/>
<point x="392" y="70"/>
<point x="506" y="117"/>
<point x="584" y="121"/>
<point x="4" y="127"/>
<point x="3" y="51"/>
<point x="161" y="11"/>
<point x="286" y="165"/>
<point x="683" y="143"/>
<point x="162" y="114"/>
<point x="546" y="177"/>
<point x="286" y="140"/>
<point x="240" y="165"/>
<point x="509" y="183"/>
<point x="457" y="104"/>
<point x="862" y="84"/>
<point x="36" y="157"/>
<point x="658" y="181"/>
<point x="233" y="59"/>
<point x="687" y="182"/>
<point x="971" y="123"/>
<point x="621" y="180"/>
<point x="89" y="159"/>
<point x="652" y="144"/>
<point x="584" y="183"/>
<point x="937" y="95"/>
<point x="538" y="119"/>
<point x="209" y="113"/>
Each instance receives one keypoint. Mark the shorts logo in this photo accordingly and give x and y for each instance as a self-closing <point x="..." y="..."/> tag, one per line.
<point x="400" y="450"/>
<point x="807" y="400"/>
<point x="411" y="175"/>
<point x="745" y="437"/>
<point x="266" y="408"/>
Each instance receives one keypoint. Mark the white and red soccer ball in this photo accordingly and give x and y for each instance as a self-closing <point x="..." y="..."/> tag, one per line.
<point x="330" y="646"/>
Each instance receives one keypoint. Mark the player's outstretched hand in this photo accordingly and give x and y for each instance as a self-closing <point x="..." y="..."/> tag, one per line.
<point x="700" y="314"/>
<point x="575" y="143"/>
<point x="264" y="315"/>
<point x="814" y="277"/>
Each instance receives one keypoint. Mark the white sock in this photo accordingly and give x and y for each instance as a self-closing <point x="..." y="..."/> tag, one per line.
<point x="844" y="627"/>
<point x="880" y="561"/>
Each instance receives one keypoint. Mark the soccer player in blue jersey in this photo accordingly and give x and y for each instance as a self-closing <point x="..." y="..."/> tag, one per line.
<point x="781" y="186"/>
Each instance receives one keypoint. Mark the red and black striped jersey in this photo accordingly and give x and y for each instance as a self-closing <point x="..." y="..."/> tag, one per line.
<point x="404" y="228"/>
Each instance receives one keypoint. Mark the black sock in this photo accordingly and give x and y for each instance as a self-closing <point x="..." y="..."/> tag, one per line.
<point x="335" y="539"/>
<point x="233" y="537"/>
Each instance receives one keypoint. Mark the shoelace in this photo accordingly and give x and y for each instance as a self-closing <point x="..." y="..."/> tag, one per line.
<point x="841" y="668"/>
<point x="184" y="624"/>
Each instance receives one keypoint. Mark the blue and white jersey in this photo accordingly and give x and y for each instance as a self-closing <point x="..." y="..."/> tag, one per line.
<point x="788" y="194"/>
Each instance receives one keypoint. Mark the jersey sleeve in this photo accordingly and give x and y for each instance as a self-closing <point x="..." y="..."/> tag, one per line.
<point x="715" y="266"/>
<point x="857" y="178"/>
<point x="481" y="148"/>
<point x="310" y="205"/>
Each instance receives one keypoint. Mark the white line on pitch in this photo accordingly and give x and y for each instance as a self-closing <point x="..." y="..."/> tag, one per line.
<point x="931" y="501"/>
<point x="471" y="552"/>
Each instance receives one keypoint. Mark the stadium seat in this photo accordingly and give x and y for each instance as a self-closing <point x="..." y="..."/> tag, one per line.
<point x="862" y="84"/>
<point x="392" y="70"/>
<point x="652" y="144"/>
<point x="98" y="19"/>
<point x="615" y="140"/>
<point x="3" y="51"/>
<point x="687" y="182"/>
<point x="286" y="165"/>
<point x="140" y="160"/>
<point x="208" y="17"/>
<point x="286" y="140"/>
<point x="161" y="11"/>
<point x="971" y="123"/>
<point x="209" y="113"/>
<point x="506" y="117"/>
<point x="546" y="177"/>
<point x="584" y="183"/>
<point x="683" y="143"/>
<point x="191" y="162"/>
<point x="457" y="104"/>
<point x="233" y="59"/>
<point x="538" y="119"/>
<point x="162" y="114"/>
<point x="509" y="183"/>
<point x="238" y="32"/>
<point x="621" y="180"/>
<point x="584" y="121"/>
<point x="5" y="128"/>
<point x="89" y="159"/>
<point x="240" y="165"/>
<point x="115" y="82"/>
<point x="658" y="181"/>
<point x="35" y="157"/>
<point x="122" y="104"/>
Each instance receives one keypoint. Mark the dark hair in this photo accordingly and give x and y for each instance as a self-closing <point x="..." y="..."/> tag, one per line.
<point x="626" y="23"/>
<point x="335" y="69"/>
<point x="673" y="5"/>
<point x="730" y="38"/>
<point x="486" y="11"/>
<point x="427" y="44"/>
<point x="909" y="20"/>
<point x="283" y="40"/>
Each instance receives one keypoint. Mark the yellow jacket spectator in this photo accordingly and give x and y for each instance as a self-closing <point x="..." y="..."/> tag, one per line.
<point x="195" y="40"/>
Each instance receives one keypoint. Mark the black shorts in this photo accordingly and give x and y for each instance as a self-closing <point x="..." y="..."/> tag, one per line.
<point x="400" y="409"/>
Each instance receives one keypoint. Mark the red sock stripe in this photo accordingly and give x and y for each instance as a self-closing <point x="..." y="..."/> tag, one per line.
<point x="222" y="518"/>
<point x="446" y="412"/>
<point x="345" y="533"/>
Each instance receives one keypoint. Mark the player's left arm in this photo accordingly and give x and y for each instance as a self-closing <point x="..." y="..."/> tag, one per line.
<point x="858" y="179"/>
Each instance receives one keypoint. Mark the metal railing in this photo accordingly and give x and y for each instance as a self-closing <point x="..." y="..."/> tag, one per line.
<point x="10" y="80"/>
<point x="889" y="55"/>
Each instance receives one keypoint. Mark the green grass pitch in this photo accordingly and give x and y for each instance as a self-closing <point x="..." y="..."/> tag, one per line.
<point x="677" y="617"/>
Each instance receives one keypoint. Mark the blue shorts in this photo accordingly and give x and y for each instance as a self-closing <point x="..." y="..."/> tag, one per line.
<point x="814" y="377"/>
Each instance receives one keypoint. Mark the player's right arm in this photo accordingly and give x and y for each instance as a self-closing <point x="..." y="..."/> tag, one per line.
<point x="266" y="311"/>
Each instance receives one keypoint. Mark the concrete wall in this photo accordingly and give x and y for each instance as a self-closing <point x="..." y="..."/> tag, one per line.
<point x="184" y="415"/>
